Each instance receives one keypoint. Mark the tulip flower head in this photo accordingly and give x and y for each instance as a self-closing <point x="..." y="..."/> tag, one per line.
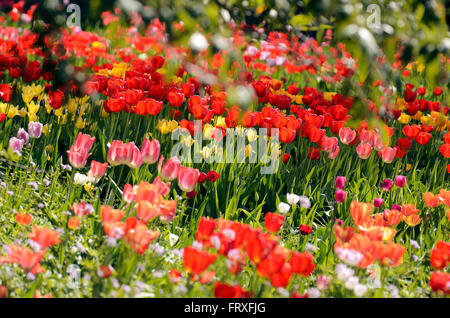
<point x="79" y="152"/>
<point x="150" y="151"/>
<point x="400" y="181"/>
<point x="387" y="184"/>
<point x="340" y="181"/>
<point x="34" y="129"/>
<point x="292" y="199"/>
<point x="340" y="195"/>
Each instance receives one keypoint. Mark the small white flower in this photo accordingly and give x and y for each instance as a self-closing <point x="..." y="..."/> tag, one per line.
<point x="215" y="240"/>
<point x="80" y="179"/>
<point x="414" y="244"/>
<point x="313" y="293"/>
<point x="292" y="198"/>
<point x="198" y="42"/>
<point x="283" y="207"/>
<point x="304" y="202"/>
<point x="283" y="292"/>
<point x="173" y="239"/>
<point x="349" y="256"/>
<point x="197" y="245"/>
<point x="352" y="282"/>
<point x="343" y="272"/>
<point x="310" y="247"/>
<point x="360" y="290"/>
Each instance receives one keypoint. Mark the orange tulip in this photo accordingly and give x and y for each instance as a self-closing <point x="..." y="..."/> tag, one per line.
<point x="44" y="237"/>
<point x="360" y="212"/>
<point x="431" y="200"/>
<point x="409" y="209"/>
<point x="413" y="219"/>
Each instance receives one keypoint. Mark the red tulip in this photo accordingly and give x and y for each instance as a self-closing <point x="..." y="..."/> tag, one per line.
<point x="5" y="92"/>
<point x="438" y="90"/>
<point x="56" y="98"/>
<point x="422" y="138"/>
<point x="175" y="98"/>
<point x="196" y="261"/>
<point x="213" y="176"/>
<point x="273" y="222"/>
<point x="302" y="263"/>
<point x="445" y="150"/>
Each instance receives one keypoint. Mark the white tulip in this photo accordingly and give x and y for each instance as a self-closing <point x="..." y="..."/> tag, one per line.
<point x="292" y="198"/>
<point x="283" y="207"/>
<point x="80" y="179"/>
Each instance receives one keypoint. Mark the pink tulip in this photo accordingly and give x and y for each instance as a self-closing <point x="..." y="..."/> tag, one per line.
<point x="340" y="181"/>
<point x="98" y="169"/>
<point x="163" y="188"/>
<point x="118" y="153"/>
<point x="363" y="150"/>
<point x="377" y="202"/>
<point x="378" y="142"/>
<point x="170" y="169"/>
<point x="329" y="144"/>
<point x="340" y="195"/>
<point x="387" y="184"/>
<point x="134" y="159"/>
<point x="334" y="154"/>
<point x="79" y="152"/>
<point x="150" y="150"/>
<point x="347" y="135"/>
<point x="128" y="193"/>
<point x="367" y="137"/>
<point x="187" y="178"/>
<point x="400" y="181"/>
<point x="387" y="154"/>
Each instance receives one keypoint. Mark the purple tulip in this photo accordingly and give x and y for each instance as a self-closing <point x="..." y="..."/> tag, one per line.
<point x="22" y="134"/>
<point x="16" y="144"/>
<point x="34" y="129"/>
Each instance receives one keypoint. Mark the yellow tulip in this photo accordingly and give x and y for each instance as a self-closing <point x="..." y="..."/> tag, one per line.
<point x="252" y="135"/>
<point x="72" y="106"/>
<point x="49" y="148"/>
<point x="80" y="123"/>
<point x="59" y="112"/>
<point x="417" y="115"/>
<point x="328" y="95"/>
<point x="33" y="107"/>
<point x="97" y="44"/>
<point x="12" y="112"/>
<point x="404" y="118"/>
<point x="22" y="112"/>
<point x="33" y="117"/>
<point x="46" y="128"/>
<point x="220" y="121"/>
<point x="27" y="94"/>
